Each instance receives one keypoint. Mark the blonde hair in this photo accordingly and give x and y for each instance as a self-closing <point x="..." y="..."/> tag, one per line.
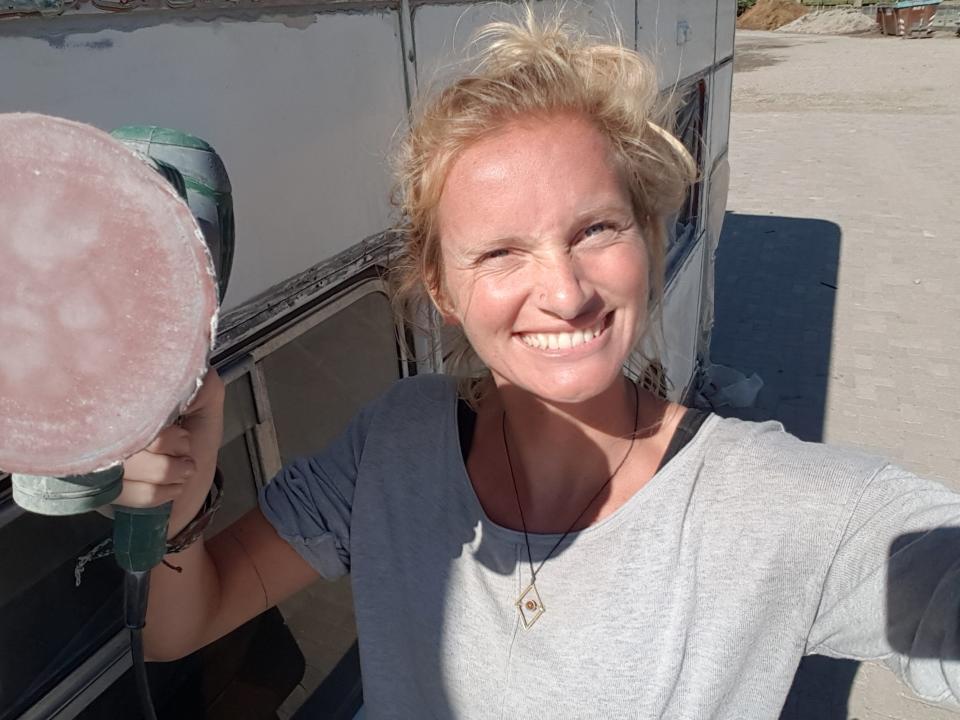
<point x="528" y="69"/>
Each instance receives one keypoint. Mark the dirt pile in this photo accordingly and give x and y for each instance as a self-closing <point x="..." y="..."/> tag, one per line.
<point x="770" y="14"/>
<point x="838" y="21"/>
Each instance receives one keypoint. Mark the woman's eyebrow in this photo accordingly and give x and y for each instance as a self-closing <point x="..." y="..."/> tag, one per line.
<point x="478" y="247"/>
<point x="602" y="210"/>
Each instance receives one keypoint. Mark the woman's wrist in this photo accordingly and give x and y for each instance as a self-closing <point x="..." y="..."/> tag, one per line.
<point x="192" y="530"/>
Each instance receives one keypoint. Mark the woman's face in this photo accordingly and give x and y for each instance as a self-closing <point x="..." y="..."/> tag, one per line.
<point x="544" y="264"/>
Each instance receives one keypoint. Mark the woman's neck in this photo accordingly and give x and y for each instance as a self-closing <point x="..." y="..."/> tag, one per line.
<point x="561" y="455"/>
<point x="534" y="423"/>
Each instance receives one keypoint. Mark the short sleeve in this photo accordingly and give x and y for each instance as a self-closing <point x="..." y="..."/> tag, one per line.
<point x="892" y="591"/>
<point x="309" y="503"/>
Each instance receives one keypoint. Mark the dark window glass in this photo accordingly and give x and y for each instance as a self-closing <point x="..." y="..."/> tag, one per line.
<point x="236" y="463"/>
<point x="49" y="625"/>
<point x="682" y="231"/>
<point x="239" y="411"/>
<point x="318" y="381"/>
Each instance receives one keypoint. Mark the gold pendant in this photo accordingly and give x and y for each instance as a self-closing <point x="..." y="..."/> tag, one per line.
<point x="530" y="606"/>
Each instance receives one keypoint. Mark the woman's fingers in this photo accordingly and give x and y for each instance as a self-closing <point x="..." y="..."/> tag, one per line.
<point x="143" y="494"/>
<point x="158" y="469"/>
<point x="209" y="397"/>
<point x="181" y="459"/>
<point x="173" y="440"/>
<point x="150" y="479"/>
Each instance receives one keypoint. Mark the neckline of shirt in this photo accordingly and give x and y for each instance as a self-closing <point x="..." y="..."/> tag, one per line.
<point x="611" y="521"/>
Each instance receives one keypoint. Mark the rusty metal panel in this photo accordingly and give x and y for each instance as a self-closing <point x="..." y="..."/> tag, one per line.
<point x="907" y="18"/>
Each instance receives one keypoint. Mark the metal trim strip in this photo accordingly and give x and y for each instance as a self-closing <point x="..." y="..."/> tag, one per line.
<point x="82" y="686"/>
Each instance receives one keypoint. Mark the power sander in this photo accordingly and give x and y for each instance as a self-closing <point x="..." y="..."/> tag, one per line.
<point x="115" y="251"/>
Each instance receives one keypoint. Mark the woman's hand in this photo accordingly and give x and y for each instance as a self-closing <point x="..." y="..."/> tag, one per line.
<point x="179" y="464"/>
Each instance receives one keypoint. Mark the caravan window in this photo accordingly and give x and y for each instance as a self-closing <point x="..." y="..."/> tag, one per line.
<point x="690" y="126"/>
<point x="292" y="395"/>
<point x="286" y="395"/>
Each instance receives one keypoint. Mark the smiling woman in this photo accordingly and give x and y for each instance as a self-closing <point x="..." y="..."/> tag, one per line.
<point x="543" y="537"/>
<point x="540" y="246"/>
<point x="531" y="81"/>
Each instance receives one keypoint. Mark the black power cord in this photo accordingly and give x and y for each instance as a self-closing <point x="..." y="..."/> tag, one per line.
<point x="136" y="588"/>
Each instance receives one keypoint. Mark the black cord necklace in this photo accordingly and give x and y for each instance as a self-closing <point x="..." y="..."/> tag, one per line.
<point x="529" y="604"/>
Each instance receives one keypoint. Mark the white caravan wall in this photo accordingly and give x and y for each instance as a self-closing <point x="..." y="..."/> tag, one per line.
<point x="442" y="33"/>
<point x="302" y="109"/>
<point x="681" y="324"/>
<point x="719" y="124"/>
<point x="678" y="35"/>
<point x="726" y="21"/>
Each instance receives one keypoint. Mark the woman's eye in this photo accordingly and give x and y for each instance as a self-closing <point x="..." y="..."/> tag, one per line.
<point x="495" y="254"/>
<point x="595" y="229"/>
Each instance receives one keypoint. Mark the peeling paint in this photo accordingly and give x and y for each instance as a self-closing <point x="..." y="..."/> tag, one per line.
<point x="152" y="12"/>
<point x="62" y="42"/>
<point x="58" y="31"/>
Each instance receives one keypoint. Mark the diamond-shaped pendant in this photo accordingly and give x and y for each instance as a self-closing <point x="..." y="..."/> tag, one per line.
<point x="530" y="606"/>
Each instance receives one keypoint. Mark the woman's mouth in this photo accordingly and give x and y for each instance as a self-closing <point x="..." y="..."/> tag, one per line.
<point x="566" y="340"/>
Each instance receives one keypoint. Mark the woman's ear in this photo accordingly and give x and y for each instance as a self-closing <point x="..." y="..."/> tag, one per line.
<point x="432" y="277"/>
<point x="443" y="306"/>
<point x="440" y="301"/>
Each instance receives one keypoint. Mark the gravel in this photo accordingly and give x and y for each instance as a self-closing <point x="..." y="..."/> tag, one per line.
<point x="839" y="21"/>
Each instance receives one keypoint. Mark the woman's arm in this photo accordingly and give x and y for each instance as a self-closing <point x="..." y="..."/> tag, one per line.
<point x="240" y="573"/>
<point x="892" y="591"/>
<point x="300" y="531"/>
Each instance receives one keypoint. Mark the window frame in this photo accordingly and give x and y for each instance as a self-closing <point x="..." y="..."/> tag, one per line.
<point x="687" y="225"/>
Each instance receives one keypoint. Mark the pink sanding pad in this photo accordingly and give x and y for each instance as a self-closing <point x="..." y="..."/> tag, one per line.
<point x="107" y="299"/>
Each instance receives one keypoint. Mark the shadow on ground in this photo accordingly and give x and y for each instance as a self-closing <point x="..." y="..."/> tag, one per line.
<point x="776" y="281"/>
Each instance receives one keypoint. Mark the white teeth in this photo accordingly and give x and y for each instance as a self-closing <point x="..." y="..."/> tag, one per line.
<point x="562" y="341"/>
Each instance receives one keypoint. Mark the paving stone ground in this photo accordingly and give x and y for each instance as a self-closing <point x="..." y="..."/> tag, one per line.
<point x="838" y="272"/>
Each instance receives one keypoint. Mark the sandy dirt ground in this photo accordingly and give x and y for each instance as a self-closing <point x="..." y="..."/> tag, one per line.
<point x="838" y="273"/>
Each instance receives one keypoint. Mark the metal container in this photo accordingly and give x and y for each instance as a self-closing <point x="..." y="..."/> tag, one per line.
<point x="909" y="18"/>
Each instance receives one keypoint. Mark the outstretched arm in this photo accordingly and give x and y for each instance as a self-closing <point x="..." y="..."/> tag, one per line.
<point x="892" y="592"/>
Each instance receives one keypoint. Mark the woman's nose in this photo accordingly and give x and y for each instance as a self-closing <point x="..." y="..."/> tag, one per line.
<point x="562" y="288"/>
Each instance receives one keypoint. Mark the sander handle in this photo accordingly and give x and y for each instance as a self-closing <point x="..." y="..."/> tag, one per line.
<point x="140" y="536"/>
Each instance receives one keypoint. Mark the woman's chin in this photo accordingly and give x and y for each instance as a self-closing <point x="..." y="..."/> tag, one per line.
<point x="567" y="388"/>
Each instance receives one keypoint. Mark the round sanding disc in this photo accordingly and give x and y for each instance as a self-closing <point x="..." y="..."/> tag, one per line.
<point x="107" y="299"/>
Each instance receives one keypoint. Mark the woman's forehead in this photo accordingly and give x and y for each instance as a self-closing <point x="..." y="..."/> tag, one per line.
<point x="532" y="171"/>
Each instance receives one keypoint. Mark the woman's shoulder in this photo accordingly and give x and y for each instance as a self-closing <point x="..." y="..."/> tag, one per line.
<point x="764" y="457"/>
<point x="425" y="391"/>
<point x="411" y="402"/>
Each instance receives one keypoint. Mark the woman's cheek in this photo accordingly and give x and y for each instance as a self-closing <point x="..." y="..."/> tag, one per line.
<point x="623" y="269"/>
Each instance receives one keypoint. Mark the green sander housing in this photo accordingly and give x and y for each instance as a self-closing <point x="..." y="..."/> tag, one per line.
<point x="197" y="172"/>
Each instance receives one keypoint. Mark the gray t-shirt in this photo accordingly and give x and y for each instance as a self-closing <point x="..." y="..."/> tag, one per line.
<point x="695" y="599"/>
